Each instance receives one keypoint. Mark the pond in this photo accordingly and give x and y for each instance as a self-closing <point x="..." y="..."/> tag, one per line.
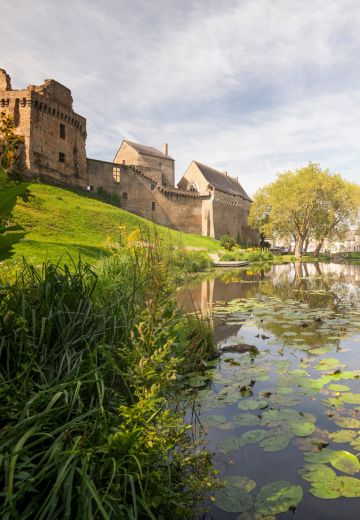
<point x="282" y="417"/>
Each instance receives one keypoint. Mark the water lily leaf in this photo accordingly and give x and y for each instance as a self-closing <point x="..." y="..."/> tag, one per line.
<point x="338" y="388"/>
<point x="347" y="422"/>
<point x="278" y="497"/>
<point x="342" y="435"/>
<point x="271" y="418"/>
<point x="252" y="515"/>
<point x="217" y="421"/>
<point x="247" y="419"/>
<point x="302" y="428"/>
<point x="350" y="398"/>
<point x="275" y="441"/>
<point x="346" y="462"/>
<point x="253" y="404"/>
<point x="229" y="444"/>
<point x="342" y="486"/>
<point x="235" y="497"/>
<point x="356" y="443"/>
<point x="253" y="436"/>
<point x="317" y="473"/>
<point x="323" y="456"/>
<point x="327" y="364"/>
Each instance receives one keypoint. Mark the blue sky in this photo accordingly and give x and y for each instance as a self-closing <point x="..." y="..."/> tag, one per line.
<point x="253" y="87"/>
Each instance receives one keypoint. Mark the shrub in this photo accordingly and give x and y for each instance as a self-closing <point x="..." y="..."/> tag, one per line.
<point x="227" y="242"/>
<point x="250" y="255"/>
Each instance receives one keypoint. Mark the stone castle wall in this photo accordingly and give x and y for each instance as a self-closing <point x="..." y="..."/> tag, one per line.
<point x="54" y="150"/>
<point x="45" y="117"/>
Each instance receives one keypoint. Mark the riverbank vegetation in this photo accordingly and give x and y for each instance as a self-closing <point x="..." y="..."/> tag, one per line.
<point x="93" y="366"/>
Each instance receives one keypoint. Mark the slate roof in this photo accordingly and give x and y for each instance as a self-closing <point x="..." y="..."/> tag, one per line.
<point x="147" y="150"/>
<point x="221" y="181"/>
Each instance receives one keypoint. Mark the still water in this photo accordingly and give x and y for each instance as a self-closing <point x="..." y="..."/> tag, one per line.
<point x="282" y="419"/>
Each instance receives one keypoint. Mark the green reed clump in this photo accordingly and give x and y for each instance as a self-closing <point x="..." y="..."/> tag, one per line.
<point x="89" y="367"/>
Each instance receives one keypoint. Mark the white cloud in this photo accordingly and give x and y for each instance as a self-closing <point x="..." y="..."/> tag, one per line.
<point x="183" y="73"/>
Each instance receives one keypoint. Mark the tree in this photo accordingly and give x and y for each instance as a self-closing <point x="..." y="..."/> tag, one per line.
<point x="10" y="189"/>
<point x="306" y="204"/>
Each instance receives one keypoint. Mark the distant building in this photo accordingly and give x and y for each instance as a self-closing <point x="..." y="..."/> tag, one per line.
<point x="206" y="201"/>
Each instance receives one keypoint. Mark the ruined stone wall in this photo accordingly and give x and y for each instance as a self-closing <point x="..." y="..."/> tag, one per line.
<point x="38" y="113"/>
<point x="230" y="214"/>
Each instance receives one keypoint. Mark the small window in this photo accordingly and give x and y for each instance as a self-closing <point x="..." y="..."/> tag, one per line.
<point x="153" y="206"/>
<point x="62" y="131"/>
<point x="61" y="157"/>
<point x="116" y="173"/>
<point x="160" y="164"/>
<point x="90" y="188"/>
<point x="125" y="196"/>
<point x="123" y="161"/>
<point x="153" y="186"/>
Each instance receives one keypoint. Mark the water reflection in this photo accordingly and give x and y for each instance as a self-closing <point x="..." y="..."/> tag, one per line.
<point x="305" y="321"/>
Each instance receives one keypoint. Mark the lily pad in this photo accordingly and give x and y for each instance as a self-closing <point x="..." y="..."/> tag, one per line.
<point x="302" y="428"/>
<point x="342" y="435"/>
<point x="346" y="462"/>
<point x="347" y="422"/>
<point x="317" y="473"/>
<point x="247" y="419"/>
<point x="338" y="388"/>
<point x="253" y="404"/>
<point x="229" y="444"/>
<point x="252" y="436"/>
<point x="278" y="497"/>
<point x="339" y="487"/>
<point x="275" y="441"/>
<point x="217" y="421"/>
<point x="235" y="497"/>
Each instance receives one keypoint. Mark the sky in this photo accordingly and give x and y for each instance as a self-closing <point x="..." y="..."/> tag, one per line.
<point x="253" y="87"/>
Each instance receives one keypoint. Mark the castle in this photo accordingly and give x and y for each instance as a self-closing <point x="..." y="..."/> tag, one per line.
<point x="206" y="201"/>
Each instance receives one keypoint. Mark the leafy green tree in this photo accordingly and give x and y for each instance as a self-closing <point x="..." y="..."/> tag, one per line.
<point x="306" y="204"/>
<point x="10" y="189"/>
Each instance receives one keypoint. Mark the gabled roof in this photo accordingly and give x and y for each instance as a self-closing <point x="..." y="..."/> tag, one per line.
<point x="222" y="181"/>
<point x="147" y="150"/>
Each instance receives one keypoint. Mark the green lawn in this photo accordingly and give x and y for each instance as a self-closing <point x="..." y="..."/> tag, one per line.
<point x="58" y="221"/>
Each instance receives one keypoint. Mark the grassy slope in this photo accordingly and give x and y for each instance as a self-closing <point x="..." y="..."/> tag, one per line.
<point x="59" y="221"/>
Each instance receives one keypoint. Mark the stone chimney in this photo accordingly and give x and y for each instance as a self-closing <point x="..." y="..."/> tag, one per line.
<point x="5" y="80"/>
<point x="165" y="149"/>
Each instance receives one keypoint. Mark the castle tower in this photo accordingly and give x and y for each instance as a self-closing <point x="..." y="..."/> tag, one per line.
<point x="54" y="134"/>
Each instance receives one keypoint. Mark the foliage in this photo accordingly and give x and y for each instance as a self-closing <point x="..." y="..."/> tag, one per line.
<point x="10" y="143"/>
<point x="92" y="424"/>
<point x="251" y="255"/>
<point x="189" y="261"/>
<point x="60" y="221"/>
<point x="308" y="203"/>
<point x="227" y="242"/>
<point x="10" y="190"/>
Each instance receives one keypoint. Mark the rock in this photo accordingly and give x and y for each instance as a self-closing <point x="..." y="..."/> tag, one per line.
<point x="241" y="348"/>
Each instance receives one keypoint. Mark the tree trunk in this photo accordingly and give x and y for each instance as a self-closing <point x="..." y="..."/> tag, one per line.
<point x="299" y="247"/>
<point x="306" y="245"/>
<point x="318" y="248"/>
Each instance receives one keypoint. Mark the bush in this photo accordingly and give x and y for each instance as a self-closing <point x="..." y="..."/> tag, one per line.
<point x="227" y="242"/>
<point x="189" y="261"/>
<point x="250" y="255"/>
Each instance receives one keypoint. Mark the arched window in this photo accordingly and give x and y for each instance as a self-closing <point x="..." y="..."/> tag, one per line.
<point x="193" y="186"/>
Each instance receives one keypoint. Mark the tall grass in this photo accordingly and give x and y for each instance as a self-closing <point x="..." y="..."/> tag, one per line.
<point x="89" y="365"/>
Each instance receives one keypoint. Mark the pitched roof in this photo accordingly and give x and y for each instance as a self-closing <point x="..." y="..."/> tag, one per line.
<point x="222" y="181"/>
<point x="147" y="150"/>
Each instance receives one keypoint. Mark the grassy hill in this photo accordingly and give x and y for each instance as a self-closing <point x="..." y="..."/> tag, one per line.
<point x="57" y="221"/>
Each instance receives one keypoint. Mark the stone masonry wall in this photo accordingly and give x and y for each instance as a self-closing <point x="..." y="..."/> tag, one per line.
<point x="230" y="214"/>
<point x="161" y="169"/>
<point x="38" y="112"/>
